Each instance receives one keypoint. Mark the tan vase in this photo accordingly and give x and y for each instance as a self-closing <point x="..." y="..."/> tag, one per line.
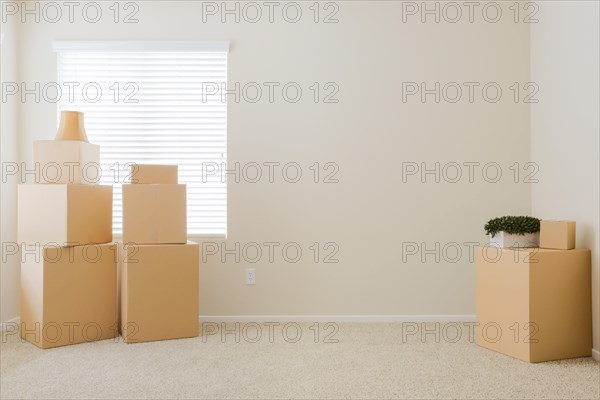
<point x="71" y="126"/>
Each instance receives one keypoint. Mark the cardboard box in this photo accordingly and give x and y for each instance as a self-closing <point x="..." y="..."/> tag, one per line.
<point x="154" y="214"/>
<point x="64" y="214"/>
<point x="67" y="161"/>
<point x="159" y="292"/>
<point x="557" y="234"/>
<point x="153" y="173"/>
<point x="68" y="294"/>
<point x="534" y="304"/>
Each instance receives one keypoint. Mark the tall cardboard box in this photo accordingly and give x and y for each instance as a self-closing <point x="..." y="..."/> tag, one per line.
<point x="154" y="214"/>
<point x="67" y="161"/>
<point x="153" y="173"/>
<point x="534" y="304"/>
<point x="68" y="294"/>
<point x="159" y="292"/>
<point x="64" y="214"/>
<point x="557" y="234"/>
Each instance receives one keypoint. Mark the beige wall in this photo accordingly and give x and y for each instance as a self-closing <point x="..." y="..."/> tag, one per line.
<point x="9" y="274"/>
<point x="565" y="124"/>
<point x="369" y="134"/>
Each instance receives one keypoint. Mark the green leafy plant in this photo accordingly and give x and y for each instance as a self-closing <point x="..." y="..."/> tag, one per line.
<point x="514" y="225"/>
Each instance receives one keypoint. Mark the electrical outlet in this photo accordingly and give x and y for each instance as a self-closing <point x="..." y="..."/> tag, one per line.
<point x="250" y="276"/>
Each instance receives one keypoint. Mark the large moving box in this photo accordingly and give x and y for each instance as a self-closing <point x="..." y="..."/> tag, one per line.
<point x="68" y="294"/>
<point x="154" y="214"/>
<point x="64" y="214"/>
<point x="159" y="292"/>
<point x="534" y="304"/>
<point x="67" y="161"/>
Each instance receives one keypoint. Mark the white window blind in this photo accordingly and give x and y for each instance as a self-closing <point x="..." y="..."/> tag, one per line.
<point x="151" y="110"/>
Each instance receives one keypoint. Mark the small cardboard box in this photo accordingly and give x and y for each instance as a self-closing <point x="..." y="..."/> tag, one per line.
<point x="153" y="173"/>
<point x="557" y="234"/>
<point x="159" y="292"/>
<point x="154" y="214"/>
<point x="64" y="214"/>
<point x="67" y="161"/>
<point x="534" y="304"/>
<point x="68" y="294"/>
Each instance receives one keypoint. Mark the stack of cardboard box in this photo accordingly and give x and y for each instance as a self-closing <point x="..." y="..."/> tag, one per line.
<point x="159" y="274"/>
<point x="535" y="303"/>
<point x="68" y="263"/>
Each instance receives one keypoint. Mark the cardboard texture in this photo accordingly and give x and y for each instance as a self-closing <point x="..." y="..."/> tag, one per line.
<point x="534" y="304"/>
<point x="67" y="161"/>
<point x="154" y="214"/>
<point x="159" y="292"/>
<point x="64" y="214"/>
<point x="153" y="173"/>
<point x="557" y="234"/>
<point x="69" y="294"/>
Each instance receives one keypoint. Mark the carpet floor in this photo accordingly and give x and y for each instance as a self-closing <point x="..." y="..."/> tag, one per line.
<point x="340" y="361"/>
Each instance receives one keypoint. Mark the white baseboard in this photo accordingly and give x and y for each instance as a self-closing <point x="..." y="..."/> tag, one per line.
<point x="318" y="318"/>
<point x="338" y="318"/>
<point x="596" y="354"/>
<point x="10" y="322"/>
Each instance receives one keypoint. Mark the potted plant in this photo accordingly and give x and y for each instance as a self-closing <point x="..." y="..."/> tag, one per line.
<point x="511" y="231"/>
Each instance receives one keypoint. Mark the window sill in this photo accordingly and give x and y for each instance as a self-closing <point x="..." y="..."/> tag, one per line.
<point x="118" y="237"/>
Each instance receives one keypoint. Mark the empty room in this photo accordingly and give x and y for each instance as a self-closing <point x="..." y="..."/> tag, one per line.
<point x="305" y="199"/>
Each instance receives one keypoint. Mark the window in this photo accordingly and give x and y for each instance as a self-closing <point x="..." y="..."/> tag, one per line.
<point x="143" y="102"/>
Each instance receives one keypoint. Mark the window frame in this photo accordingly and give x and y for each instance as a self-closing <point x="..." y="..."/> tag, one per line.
<point x="151" y="46"/>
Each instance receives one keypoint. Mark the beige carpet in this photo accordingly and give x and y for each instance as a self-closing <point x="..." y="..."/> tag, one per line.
<point x="370" y="361"/>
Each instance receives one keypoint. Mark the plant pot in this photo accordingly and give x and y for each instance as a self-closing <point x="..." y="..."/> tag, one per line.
<point x="507" y="240"/>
